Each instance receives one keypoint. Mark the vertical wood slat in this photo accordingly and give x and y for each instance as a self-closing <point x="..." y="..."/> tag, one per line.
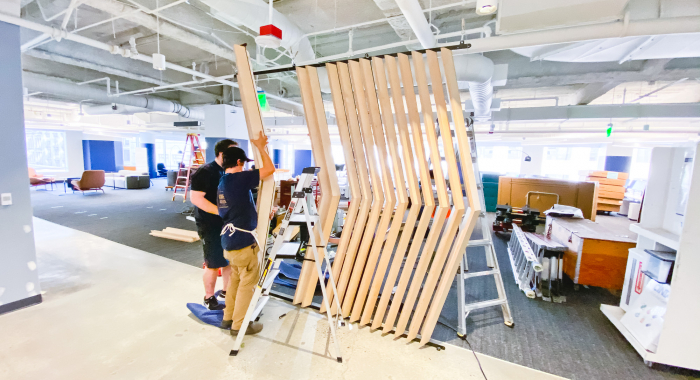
<point x="330" y="190"/>
<point x="388" y="189"/>
<point x="254" y="123"/>
<point x="354" y="182"/>
<point x="402" y="197"/>
<point x="467" y="226"/>
<point x="378" y="195"/>
<point x="443" y="201"/>
<point x="455" y="186"/>
<point x="426" y="188"/>
<point x="413" y="193"/>
<point x="365" y="187"/>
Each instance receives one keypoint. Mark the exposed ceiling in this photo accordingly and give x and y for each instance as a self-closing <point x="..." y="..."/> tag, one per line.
<point x="192" y="34"/>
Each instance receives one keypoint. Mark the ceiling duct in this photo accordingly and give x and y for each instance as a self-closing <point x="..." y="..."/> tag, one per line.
<point x="255" y="13"/>
<point x="477" y="71"/>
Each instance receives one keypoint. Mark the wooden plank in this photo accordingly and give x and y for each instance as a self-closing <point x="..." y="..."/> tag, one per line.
<point x="358" y="84"/>
<point x="353" y="180"/>
<point x="619" y="190"/>
<point x="413" y="192"/>
<point x="469" y="221"/>
<point x="608" y="201"/>
<point x="608" y="181"/>
<point x="388" y="188"/>
<point x="402" y="197"/>
<point x="443" y="201"/>
<point x="608" y="174"/>
<point x="426" y="189"/>
<point x="254" y="123"/>
<point x="612" y="195"/>
<point x="327" y="177"/>
<point x="457" y="212"/>
<point x="365" y="188"/>
<point x="171" y="236"/>
<point x="178" y="231"/>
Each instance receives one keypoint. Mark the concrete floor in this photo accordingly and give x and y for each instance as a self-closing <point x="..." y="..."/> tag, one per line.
<point x="114" y="311"/>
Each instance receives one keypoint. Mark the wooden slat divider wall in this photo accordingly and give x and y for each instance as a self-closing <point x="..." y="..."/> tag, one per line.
<point x="443" y="200"/>
<point x="402" y="197"/>
<point x="254" y="123"/>
<point x="413" y="192"/>
<point x="457" y="211"/>
<point x="365" y="187"/>
<point x="353" y="181"/>
<point x="427" y="190"/>
<point x="358" y="82"/>
<point x="388" y="189"/>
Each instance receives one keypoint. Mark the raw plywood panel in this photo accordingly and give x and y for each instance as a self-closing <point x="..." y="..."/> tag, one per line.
<point x="362" y="172"/>
<point x="358" y="83"/>
<point x="608" y="181"/>
<point x="354" y="182"/>
<point x="413" y="192"/>
<point x="402" y="197"/>
<point x="427" y="190"/>
<point x="443" y="201"/>
<point x="469" y="221"/>
<point x="253" y="118"/>
<point x="457" y="211"/>
<point x="388" y="189"/>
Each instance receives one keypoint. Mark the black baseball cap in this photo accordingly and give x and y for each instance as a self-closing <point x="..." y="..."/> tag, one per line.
<point x="231" y="156"/>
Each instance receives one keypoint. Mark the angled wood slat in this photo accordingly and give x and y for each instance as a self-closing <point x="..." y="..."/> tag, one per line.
<point x="455" y="186"/>
<point x="413" y="193"/>
<point x="443" y="201"/>
<point x="354" y="182"/>
<point x="388" y="189"/>
<point x="362" y="173"/>
<point x="320" y="146"/>
<point x="254" y="123"/>
<point x="426" y="188"/>
<point x="469" y="221"/>
<point x="358" y="81"/>
<point x="401" y="195"/>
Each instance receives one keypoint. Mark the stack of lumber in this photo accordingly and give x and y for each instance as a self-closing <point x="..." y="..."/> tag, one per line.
<point x="176" y="234"/>
<point x="611" y="189"/>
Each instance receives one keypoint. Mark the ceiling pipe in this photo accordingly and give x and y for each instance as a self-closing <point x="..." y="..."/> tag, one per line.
<point x="114" y="109"/>
<point x="477" y="71"/>
<point x="61" y="87"/>
<point x="413" y="12"/>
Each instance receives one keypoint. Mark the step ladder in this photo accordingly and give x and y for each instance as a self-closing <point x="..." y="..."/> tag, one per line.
<point x="302" y="205"/>
<point x="195" y="160"/>
<point x="491" y="260"/>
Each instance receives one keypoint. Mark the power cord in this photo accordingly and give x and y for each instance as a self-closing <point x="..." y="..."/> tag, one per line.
<point x="470" y="347"/>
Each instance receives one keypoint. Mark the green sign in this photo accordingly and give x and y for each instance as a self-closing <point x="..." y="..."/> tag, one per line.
<point x="262" y="99"/>
<point x="608" y="131"/>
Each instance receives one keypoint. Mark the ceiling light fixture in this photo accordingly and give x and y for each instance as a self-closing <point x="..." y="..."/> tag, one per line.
<point x="158" y="59"/>
<point x="486" y="7"/>
<point x="270" y="35"/>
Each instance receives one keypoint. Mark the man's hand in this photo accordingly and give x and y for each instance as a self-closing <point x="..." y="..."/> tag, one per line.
<point x="260" y="142"/>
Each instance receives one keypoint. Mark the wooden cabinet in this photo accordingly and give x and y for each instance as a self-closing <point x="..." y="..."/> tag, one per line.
<point x="513" y="191"/>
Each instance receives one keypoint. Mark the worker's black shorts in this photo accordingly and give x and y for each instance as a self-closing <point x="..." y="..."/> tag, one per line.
<point x="211" y="243"/>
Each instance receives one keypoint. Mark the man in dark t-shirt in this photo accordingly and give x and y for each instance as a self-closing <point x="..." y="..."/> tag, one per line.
<point x="204" y="184"/>
<point x="238" y="211"/>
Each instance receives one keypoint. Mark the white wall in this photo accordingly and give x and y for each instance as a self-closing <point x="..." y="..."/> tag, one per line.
<point x="532" y="168"/>
<point x="74" y="148"/>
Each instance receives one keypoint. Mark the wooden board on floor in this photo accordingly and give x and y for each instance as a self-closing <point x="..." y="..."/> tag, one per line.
<point x="172" y="236"/>
<point x="443" y="201"/>
<point x="402" y="197"/>
<point x="426" y="189"/>
<point x="358" y="82"/>
<point x="179" y="231"/>
<point x="413" y="193"/>
<point x="254" y="123"/>
<point x="353" y="180"/>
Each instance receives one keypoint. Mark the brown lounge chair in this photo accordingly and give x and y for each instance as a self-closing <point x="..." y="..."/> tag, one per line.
<point x="91" y="180"/>
<point x="38" y="179"/>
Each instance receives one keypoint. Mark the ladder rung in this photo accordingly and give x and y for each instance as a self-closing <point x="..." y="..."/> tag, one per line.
<point x="479" y="274"/>
<point x="480" y="305"/>
<point x="479" y="243"/>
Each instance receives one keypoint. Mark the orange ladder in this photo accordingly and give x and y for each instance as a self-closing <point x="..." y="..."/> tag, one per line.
<point x="195" y="160"/>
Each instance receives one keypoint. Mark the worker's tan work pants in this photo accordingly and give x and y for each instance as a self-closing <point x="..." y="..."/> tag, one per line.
<point x="245" y="274"/>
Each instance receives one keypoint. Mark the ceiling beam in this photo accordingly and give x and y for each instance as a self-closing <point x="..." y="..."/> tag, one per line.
<point x="593" y="91"/>
<point x="626" y="111"/>
<point x="601" y="77"/>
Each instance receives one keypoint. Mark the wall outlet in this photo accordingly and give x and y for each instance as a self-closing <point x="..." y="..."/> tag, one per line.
<point x="6" y="199"/>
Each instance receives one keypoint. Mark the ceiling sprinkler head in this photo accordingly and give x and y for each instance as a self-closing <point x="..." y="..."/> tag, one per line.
<point x="486" y="7"/>
<point x="493" y="127"/>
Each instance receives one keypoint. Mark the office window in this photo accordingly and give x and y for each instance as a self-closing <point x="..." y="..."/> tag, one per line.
<point x="46" y="150"/>
<point x="500" y="159"/>
<point x="571" y="163"/>
<point x="641" y="158"/>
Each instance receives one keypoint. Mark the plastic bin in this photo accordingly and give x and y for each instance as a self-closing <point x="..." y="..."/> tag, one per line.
<point x="659" y="266"/>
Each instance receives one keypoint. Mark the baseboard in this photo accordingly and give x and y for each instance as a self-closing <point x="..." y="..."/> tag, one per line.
<point x="26" y="302"/>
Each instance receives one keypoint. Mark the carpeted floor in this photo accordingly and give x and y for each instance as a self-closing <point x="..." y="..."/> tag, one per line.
<point x="573" y="339"/>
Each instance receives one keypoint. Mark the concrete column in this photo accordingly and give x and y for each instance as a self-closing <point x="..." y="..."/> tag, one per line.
<point x="19" y="279"/>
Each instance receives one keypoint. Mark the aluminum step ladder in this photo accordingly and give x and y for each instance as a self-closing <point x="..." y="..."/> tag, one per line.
<point x="491" y="260"/>
<point x="302" y="199"/>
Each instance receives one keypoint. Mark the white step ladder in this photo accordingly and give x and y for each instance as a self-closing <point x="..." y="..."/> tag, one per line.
<point x="301" y="199"/>
<point x="491" y="260"/>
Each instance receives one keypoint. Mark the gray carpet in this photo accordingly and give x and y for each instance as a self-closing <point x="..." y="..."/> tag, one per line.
<point x="573" y="339"/>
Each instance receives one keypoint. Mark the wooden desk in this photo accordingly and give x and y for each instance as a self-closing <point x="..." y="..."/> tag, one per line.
<point x="596" y="251"/>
